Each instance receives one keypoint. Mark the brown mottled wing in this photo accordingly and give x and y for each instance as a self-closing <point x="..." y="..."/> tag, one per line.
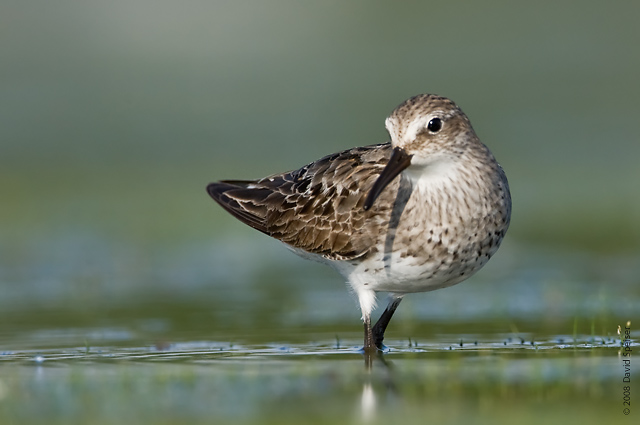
<point x="318" y="208"/>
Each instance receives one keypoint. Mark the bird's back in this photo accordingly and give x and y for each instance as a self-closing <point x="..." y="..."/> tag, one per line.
<point x="317" y="209"/>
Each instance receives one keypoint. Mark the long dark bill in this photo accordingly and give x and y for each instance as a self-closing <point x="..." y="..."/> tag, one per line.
<point x="399" y="161"/>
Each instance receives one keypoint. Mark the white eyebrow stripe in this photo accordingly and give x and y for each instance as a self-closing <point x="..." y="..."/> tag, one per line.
<point x="416" y="126"/>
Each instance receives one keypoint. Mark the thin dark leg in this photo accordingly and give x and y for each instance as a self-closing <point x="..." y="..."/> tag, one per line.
<point x="383" y="321"/>
<point x="368" y="335"/>
<point x="369" y="347"/>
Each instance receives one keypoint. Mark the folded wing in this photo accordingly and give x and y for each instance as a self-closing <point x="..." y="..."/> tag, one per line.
<point x="318" y="208"/>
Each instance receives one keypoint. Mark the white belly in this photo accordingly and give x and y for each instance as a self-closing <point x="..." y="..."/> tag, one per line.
<point x="407" y="274"/>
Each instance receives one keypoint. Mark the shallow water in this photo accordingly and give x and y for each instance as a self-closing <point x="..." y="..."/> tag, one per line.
<point x="249" y="333"/>
<point x="217" y="382"/>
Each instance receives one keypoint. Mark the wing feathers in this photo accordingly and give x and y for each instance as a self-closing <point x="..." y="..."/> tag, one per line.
<point x="232" y="196"/>
<point x="317" y="208"/>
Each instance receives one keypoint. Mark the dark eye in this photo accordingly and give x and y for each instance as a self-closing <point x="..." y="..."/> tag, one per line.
<point x="434" y="125"/>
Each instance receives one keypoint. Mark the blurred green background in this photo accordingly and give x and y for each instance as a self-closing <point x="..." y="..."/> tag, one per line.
<point x="115" y="115"/>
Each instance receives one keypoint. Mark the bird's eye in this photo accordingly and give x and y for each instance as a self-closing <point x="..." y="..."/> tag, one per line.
<point x="434" y="125"/>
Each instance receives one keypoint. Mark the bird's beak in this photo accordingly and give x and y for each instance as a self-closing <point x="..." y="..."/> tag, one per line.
<point x="399" y="160"/>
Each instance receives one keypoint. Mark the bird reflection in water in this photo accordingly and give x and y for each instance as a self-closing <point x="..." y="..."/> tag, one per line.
<point x="379" y="369"/>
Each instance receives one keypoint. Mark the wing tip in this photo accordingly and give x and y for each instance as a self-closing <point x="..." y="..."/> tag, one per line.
<point x="219" y="192"/>
<point x="215" y="190"/>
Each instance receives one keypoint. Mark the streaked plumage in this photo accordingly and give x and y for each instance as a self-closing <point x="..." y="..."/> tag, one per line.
<point x="432" y="227"/>
<point x="316" y="209"/>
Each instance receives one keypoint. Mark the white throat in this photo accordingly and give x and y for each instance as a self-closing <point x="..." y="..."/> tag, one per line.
<point x="442" y="169"/>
